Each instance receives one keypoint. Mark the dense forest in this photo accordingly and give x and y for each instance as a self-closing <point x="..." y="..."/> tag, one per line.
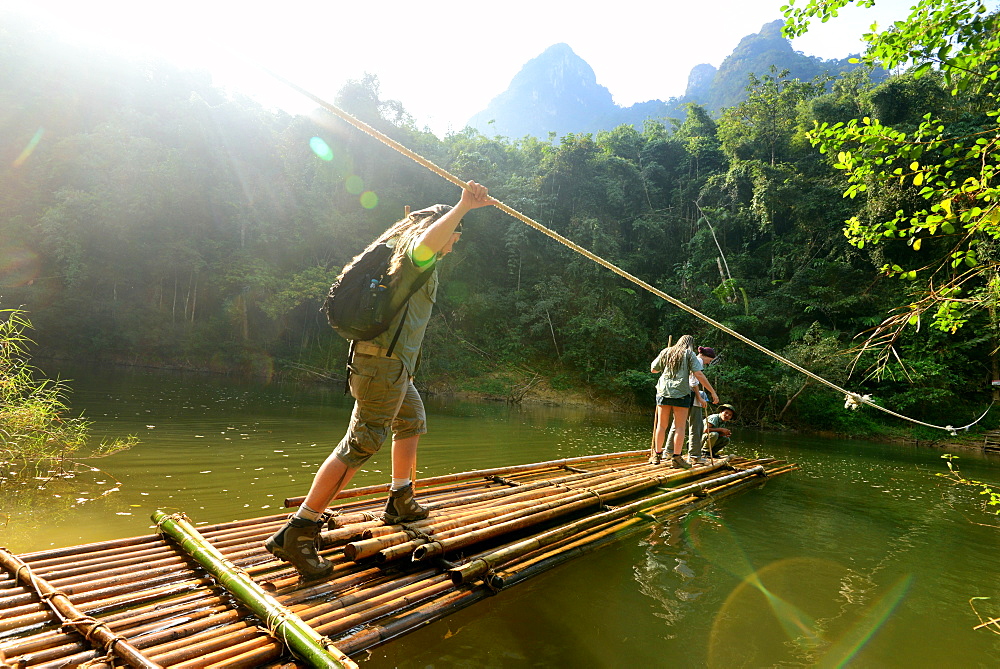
<point x="151" y="219"/>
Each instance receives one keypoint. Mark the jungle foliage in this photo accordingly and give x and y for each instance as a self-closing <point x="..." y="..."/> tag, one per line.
<point x="38" y="432"/>
<point x="152" y="218"/>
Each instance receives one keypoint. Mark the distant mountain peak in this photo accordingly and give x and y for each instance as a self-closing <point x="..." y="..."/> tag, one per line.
<point x="556" y="91"/>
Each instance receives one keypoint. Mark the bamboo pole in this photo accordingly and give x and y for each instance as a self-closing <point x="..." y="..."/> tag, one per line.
<point x="364" y="593"/>
<point x="68" y="614"/>
<point x="200" y="646"/>
<point x="358" y="608"/>
<point x="137" y="599"/>
<point x="482" y="497"/>
<point x="346" y="605"/>
<point x="430" y="537"/>
<point x="432" y="610"/>
<point x="551" y="555"/>
<point x="302" y="640"/>
<point x="486" y="563"/>
<point x="31" y="614"/>
<point x="41" y="560"/>
<point x="558" y="479"/>
<point x="204" y="650"/>
<point x="398" y="534"/>
<point x="356" y="619"/>
<point x="129" y="624"/>
<point x="75" y="568"/>
<point x="362" y="597"/>
<point x="575" y="546"/>
<point x="479" y="473"/>
<point x="545" y="513"/>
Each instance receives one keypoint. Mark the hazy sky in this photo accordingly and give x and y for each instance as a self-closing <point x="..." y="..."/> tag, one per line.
<point x="444" y="59"/>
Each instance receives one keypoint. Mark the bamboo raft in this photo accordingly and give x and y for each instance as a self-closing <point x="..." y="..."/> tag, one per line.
<point x="213" y="597"/>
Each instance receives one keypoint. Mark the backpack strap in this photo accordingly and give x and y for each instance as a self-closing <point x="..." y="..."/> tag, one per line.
<point x="414" y="287"/>
<point x="399" y="329"/>
<point x="417" y="285"/>
<point x="350" y="359"/>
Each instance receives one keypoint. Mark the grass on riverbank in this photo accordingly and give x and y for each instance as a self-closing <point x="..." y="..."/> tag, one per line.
<point x="36" y="431"/>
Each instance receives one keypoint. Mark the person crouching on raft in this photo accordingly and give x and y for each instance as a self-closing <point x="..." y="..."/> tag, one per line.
<point x="674" y="397"/>
<point x="382" y="386"/>
<point x="717" y="435"/>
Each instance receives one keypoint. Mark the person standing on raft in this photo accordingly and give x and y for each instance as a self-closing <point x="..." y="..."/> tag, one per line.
<point x="382" y="386"/>
<point x="674" y="396"/>
<point x="696" y="414"/>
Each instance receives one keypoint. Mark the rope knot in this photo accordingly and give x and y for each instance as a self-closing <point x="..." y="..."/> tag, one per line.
<point x="854" y="401"/>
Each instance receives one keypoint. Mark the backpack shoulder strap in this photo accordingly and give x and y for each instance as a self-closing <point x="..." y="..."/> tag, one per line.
<point x="417" y="285"/>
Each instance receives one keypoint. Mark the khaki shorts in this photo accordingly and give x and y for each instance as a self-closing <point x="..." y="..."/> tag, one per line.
<point x="385" y="400"/>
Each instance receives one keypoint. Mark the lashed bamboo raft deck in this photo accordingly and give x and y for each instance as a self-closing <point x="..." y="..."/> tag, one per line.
<point x="147" y="602"/>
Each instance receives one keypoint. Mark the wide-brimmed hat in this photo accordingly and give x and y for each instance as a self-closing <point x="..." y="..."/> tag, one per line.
<point x="723" y="407"/>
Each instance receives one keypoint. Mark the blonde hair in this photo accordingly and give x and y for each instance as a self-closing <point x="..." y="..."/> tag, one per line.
<point x="405" y="231"/>
<point x="677" y="352"/>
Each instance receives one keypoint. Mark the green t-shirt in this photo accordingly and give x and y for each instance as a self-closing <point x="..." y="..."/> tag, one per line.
<point x="716" y="421"/>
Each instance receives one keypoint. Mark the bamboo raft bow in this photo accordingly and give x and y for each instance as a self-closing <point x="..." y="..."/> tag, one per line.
<point x="213" y="597"/>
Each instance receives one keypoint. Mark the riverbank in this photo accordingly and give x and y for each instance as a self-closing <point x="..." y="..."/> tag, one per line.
<point x="504" y="387"/>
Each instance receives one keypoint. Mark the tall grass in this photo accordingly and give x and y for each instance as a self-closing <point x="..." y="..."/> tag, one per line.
<point x="37" y="430"/>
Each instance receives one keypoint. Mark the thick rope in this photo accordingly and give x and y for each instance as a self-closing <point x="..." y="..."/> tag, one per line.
<point x="388" y="141"/>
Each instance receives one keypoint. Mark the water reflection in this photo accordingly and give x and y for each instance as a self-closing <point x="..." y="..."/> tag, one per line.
<point x="862" y="558"/>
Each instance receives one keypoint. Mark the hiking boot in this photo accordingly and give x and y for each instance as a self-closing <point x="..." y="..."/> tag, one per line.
<point x="401" y="507"/>
<point x="678" y="462"/>
<point x="703" y="460"/>
<point x="654" y="459"/>
<point x="295" y="543"/>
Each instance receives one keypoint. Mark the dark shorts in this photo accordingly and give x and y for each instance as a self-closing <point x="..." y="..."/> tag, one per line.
<point x="683" y="402"/>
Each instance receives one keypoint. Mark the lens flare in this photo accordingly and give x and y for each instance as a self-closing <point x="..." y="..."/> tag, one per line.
<point x="844" y="650"/>
<point x="787" y="608"/>
<point x="802" y="609"/>
<point x="321" y="149"/>
<point x="369" y="200"/>
<point x="354" y="184"/>
<point x="18" y="266"/>
<point x="20" y="160"/>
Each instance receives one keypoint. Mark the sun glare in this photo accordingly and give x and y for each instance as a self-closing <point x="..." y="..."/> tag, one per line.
<point x="132" y="30"/>
<point x="223" y="39"/>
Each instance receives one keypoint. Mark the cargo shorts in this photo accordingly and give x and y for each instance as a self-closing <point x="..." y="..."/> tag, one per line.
<point x="385" y="400"/>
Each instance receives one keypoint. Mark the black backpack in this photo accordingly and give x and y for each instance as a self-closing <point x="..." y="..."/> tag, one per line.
<point x="360" y="304"/>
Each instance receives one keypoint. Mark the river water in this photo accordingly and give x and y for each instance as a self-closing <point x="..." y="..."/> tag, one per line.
<point x="867" y="557"/>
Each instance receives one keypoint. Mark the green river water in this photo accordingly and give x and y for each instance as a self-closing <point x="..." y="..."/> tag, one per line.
<point x="864" y="558"/>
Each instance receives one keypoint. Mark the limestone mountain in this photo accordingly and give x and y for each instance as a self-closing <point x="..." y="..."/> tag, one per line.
<point x="557" y="92"/>
<point x="757" y="53"/>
